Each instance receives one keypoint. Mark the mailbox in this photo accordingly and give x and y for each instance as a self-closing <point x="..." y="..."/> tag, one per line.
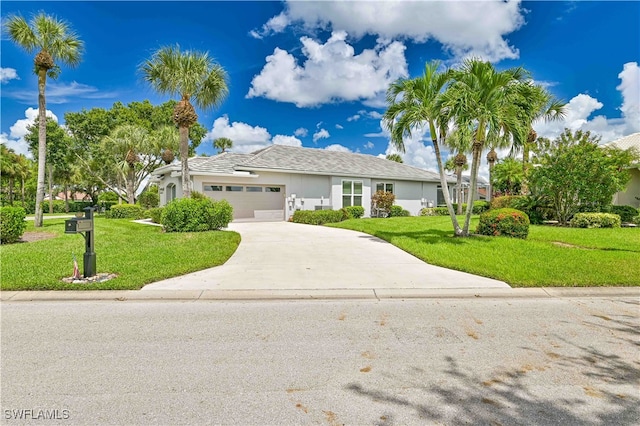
<point x="75" y="225"/>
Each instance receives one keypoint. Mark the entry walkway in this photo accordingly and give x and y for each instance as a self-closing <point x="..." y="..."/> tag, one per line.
<point x="288" y="256"/>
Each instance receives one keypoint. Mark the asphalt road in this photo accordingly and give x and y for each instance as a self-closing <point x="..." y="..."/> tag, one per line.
<point x="568" y="361"/>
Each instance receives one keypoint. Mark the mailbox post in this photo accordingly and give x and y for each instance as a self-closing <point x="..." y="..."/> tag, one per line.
<point x="77" y="225"/>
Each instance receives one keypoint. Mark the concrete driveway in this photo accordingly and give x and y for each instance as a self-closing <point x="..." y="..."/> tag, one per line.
<point x="289" y="256"/>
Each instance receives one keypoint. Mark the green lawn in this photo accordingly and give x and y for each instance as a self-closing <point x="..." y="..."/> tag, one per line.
<point x="550" y="256"/>
<point x="138" y="254"/>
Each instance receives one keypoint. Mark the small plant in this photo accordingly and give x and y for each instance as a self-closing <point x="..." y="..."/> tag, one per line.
<point x="507" y="201"/>
<point x="12" y="224"/>
<point x="595" y="220"/>
<point x="155" y="214"/>
<point x="507" y="222"/>
<point x="149" y="200"/>
<point x="356" y="212"/>
<point x="383" y="201"/>
<point x="126" y="211"/>
<point x="428" y="211"/>
<point x="398" y="211"/>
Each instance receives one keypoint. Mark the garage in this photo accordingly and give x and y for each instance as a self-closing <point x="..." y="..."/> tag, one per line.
<point x="261" y="202"/>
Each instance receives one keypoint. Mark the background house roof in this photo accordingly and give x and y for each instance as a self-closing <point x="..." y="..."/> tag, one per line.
<point x="631" y="141"/>
<point x="319" y="161"/>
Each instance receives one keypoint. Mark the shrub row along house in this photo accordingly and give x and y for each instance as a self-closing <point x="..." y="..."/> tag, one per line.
<point x="274" y="182"/>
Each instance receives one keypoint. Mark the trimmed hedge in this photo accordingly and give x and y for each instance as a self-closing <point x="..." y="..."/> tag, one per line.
<point x="434" y="211"/>
<point x="319" y="217"/>
<point x="626" y="213"/>
<point x="508" y="222"/>
<point x="356" y="212"/>
<point x="59" y="206"/>
<point x="196" y="215"/>
<point x="125" y="211"/>
<point x="595" y="220"/>
<point x="149" y="200"/>
<point x="398" y="211"/>
<point x="479" y="207"/>
<point x="12" y="224"/>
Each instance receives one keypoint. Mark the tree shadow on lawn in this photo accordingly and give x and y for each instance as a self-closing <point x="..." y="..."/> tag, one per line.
<point x="431" y="236"/>
<point x="507" y="397"/>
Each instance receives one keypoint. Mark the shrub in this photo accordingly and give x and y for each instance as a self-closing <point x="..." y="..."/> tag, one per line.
<point x="155" y="214"/>
<point x="636" y="220"/>
<point x="479" y="207"/>
<point x="626" y="213"/>
<point x="318" y="217"/>
<point x="383" y="200"/>
<point x="106" y="205"/>
<point x="108" y="196"/>
<point x="198" y="195"/>
<point x="398" y="211"/>
<point x="59" y="206"/>
<point x="196" y="215"/>
<point x="126" y="211"/>
<point x="428" y="211"/>
<point x="149" y="200"/>
<point x="507" y="222"/>
<point x="595" y="220"/>
<point x="12" y="224"/>
<point x="356" y="212"/>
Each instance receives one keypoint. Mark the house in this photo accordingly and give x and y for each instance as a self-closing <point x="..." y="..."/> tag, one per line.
<point x="631" y="196"/>
<point x="274" y="182"/>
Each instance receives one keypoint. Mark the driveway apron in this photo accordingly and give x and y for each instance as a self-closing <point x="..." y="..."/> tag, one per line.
<point x="289" y="256"/>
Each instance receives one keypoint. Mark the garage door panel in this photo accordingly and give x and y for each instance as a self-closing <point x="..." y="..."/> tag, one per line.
<point x="251" y="198"/>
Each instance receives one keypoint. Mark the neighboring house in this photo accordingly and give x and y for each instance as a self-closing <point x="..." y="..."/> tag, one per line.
<point x="631" y="196"/>
<point x="274" y="182"/>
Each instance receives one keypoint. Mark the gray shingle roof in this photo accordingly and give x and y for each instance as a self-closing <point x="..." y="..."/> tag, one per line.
<point x="319" y="161"/>
<point x="631" y="141"/>
<point x="305" y="160"/>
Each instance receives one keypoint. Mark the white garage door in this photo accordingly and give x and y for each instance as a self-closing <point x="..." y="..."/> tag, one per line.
<point x="250" y="201"/>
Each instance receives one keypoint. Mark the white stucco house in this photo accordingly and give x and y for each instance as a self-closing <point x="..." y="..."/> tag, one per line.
<point x="274" y="182"/>
<point x="631" y="195"/>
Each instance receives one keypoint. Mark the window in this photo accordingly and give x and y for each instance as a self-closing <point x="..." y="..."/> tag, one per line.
<point x="254" y="189"/>
<point x="272" y="189"/>
<point x="351" y="193"/>
<point x="234" y="188"/>
<point x="440" y="199"/>
<point x="383" y="186"/>
<point x="171" y="192"/>
<point x="213" y="187"/>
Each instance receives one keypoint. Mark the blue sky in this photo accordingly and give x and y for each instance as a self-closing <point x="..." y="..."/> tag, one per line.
<point x="314" y="74"/>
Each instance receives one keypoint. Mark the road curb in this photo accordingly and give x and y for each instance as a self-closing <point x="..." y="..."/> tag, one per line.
<point x="329" y="294"/>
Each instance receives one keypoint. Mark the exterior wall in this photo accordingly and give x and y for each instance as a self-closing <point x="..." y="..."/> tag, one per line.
<point x="314" y="192"/>
<point x="628" y="197"/>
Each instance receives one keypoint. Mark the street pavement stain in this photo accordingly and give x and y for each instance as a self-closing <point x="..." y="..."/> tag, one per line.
<point x="595" y="393"/>
<point x="367" y="355"/>
<point x="472" y="334"/>
<point x="331" y="418"/>
<point x="604" y="317"/>
<point x="365" y="369"/>
<point x="383" y="320"/>
<point x="302" y="407"/>
<point x="490" y="401"/>
<point x="292" y="390"/>
<point x="342" y="317"/>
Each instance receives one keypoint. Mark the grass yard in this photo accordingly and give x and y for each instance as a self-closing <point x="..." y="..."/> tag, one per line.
<point x="138" y="254"/>
<point x="550" y="256"/>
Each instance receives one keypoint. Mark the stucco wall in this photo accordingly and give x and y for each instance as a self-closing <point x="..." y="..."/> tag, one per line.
<point x="628" y="197"/>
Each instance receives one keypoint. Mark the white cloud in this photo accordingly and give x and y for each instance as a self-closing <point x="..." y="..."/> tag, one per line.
<point x="339" y="127"/>
<point x="60" y="93"/>
<point x="321" y="134"/>
<point x="454" y="24"/>
<point x="7" y="74"/>
<point x="247" y="138"/>
<point x="369" y="145"/>
<point x="374" y="114"/>
<point x="332" y="72"/>
<point x="580" y="108"/>
<point x="301" y="131"/>
<point x="337" y="147"/>
<point x="286" y="140"/>
<point x="355" y="117"/>
<point x="15" y="140"/>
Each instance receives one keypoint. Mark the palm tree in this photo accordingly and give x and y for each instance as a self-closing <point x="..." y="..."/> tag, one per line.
<point x="480" y="101"/>
<point x="492" y="157"/>
<point x="223" y="144"/>
<point x="394" y="157"/>
<point x="536" y="103"/>
<point x="414" y="104"/>
<point x="8" y="169"/>
<point x="54" y="41"/>
<point x="194" y="76"/>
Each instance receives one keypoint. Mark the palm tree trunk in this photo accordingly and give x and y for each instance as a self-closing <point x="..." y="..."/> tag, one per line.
<point x="131" y="192"/>
<point x="50" y="174"/>
<point x="445" y="187"/>
<point x="66" y="197"/>
<point x="184" y="155"/>
<point x="475" y="166"/>
<point x="42" y="145"/>
<point x="490" y="193"/>
<point x="524" y="186"/>
<point x="11" y="182"/>
<point x="459" y="189"/>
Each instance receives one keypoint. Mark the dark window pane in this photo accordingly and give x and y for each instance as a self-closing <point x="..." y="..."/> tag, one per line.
<point x="234" y="189"/>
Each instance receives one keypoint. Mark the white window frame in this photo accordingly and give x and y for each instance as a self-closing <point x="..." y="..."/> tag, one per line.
<point x="384" y="185"/>
<point x="352" y="195"/>
<point x="171" y="192"/>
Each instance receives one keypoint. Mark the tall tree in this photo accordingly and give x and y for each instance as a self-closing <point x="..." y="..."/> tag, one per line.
<point x="193" y="76"/>
<point x="415" y="104"/>
<point x="457" y="164"/>
<point x="8" y="169"/>
<point x="480" y="100"/>
<point x="54" y="41"/>
<point x="222" y="144"/>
